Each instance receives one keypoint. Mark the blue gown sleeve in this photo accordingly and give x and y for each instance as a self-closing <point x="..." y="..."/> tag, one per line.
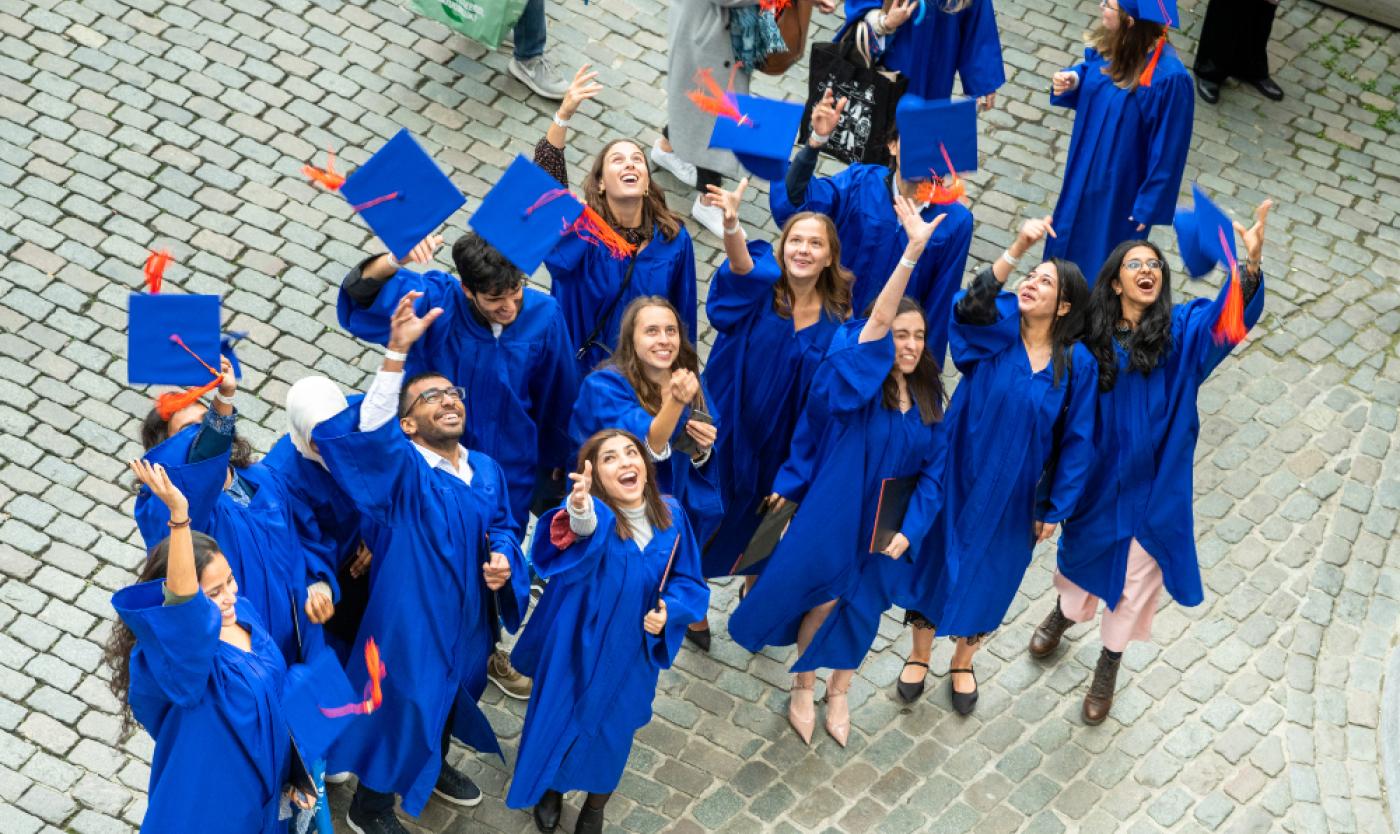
<point x="372" y="323"/>
<point x="606" y="400"/>
<point x="202" y="483"/>
<point x="974" y="343"/>
<point x="1070" y="98"/>
<point x="1194" y="321"/>
<point x="686" y="594"/>
<point x="734" y="298"/>
<point x="371" y="466"/>
<point x="823" y="194"/>
<point x="215" y="436"/>
<point x="681" y="287"/>
<point x="856" y="370"/>
<point x="565" y="260"/>
<point x="553" y="391"/>
<point x="178" y="643"/>
<point x="513" y="598"/>
<point x="927" y="500"/>
<point x="321" y="557"/>
<point x="1171" y="109"/>
<point x="576" y="562"/>
<point x="1076" y="439"/>
<point x="979" y="50"/>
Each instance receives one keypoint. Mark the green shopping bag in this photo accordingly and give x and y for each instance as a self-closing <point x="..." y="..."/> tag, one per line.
<point x="484" y="21"/>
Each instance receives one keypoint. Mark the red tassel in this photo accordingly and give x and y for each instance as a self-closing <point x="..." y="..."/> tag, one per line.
<point x="329" y="179"/>
<point x="711" y="99"/>
<point x="1146" y="78"/>
<point x="1229" y="328"/>
<point x="935" y="191"/>
<point x="155" y="269"/>
<point x="172" y="401"/>
<point x="393" y="195"/>
<point x="594" y="229"/>
<point x="777" y="7"/>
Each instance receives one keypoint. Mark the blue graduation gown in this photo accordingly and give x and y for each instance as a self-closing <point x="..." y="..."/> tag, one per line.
<point x="825" y="554"/>
<point x="429" y="608"/>
<point x="520" y="386"/>
<point x="1126" y="157"/>
<point x="973" y="560"/>
<point x="586" y="278"/>
<point x="859" y="202"/>
<point x="1140" y="485"/>
<point x="213" y="710"/>
<point x="593" y="665"/>
<point x="931" y="52"/>
<point x="606" y="400"/>
<point x="757" y="377"/>
<point x="259" y="540"/>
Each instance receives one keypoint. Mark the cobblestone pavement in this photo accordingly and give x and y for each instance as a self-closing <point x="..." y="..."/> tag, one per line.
<point x="130" y="124"/>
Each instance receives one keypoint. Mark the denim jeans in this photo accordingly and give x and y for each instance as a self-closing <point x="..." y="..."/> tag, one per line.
<point x="530" y="31"/>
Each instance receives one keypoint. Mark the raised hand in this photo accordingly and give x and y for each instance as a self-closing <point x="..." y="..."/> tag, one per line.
<point x="914" y="226"/>
<point x="1034" y="230"/>
<point x="727" y="201"/>
<point x="1253" y="237"/>
<point x="899" y="13"/>
<point x="826" y="114"/>
<point x="155" y="478"/>
<point x="684" y="385"/>
<point x="422" y="252"/>
<point x="897" y="546"/>
<point x="228" y="383"/>
<point x="583" y="486"/>
<point x="496" y="572"/>
<point x="583" y="87"/>
<point x="655" y="620"/>
<point x="406" y="326"/>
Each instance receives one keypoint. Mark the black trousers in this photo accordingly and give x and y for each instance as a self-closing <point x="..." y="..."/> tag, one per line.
<point x="1234" y="40"/>
<point x="370" y="801"/>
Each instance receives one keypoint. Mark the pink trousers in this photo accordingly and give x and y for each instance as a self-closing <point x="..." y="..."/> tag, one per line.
<point x="1131" y="619"/>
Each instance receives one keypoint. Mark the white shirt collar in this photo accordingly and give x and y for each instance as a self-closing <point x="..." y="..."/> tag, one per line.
<point x="462" y="470"/>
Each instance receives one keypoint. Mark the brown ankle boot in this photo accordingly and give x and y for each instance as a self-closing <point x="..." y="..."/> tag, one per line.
<point x="1100" y="698"/>
<point x="1046" y="637"/>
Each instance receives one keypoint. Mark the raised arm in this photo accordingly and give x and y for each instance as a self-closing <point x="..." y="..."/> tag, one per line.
<point x="405" y="327"/>
<point x="181" y="578"/>
<point x="887" y="303"/>
<point x="363" y="282"/>
<point x="675" y="397"/>
<point x="549" y="153"/>
<point x="1031" y="232"/>
<point x="735" y="246"/>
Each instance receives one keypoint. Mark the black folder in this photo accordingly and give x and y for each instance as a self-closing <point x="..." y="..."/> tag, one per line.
<point x="765" y="538"/>
<point x="685" y="444"/>
<point x="893" y="503"/>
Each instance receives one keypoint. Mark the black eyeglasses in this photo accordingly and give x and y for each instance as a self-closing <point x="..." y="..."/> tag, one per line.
<point x="1151" y="263"/>
<point x="432" y="396"/>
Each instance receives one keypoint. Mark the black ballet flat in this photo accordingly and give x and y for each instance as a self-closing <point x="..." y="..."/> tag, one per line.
<point x="963" y="702"/>
<point x="700" y="638"/>
<point x="546" y="812"/>
<point x="910" y="692"/>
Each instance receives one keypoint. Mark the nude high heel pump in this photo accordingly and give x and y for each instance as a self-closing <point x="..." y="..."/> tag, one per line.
<point x="803" y="720"/>
<point x="838" y="714"/>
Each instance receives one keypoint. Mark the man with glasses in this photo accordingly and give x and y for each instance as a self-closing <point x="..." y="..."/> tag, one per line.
<point x="447" y="567"/>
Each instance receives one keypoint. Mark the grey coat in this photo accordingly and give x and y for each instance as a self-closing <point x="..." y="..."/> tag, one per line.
<point x="699" y="37"/>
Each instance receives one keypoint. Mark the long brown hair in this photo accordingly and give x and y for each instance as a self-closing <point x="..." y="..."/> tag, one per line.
<point x="629" y="364"/>
<point x="925" y="384"/>
<point x="834" y="282"/>
<point x="120" y="642"/>
<point x="654" y="209"/>
<point x="658" y="514"/>
<point x="1127" y="48"/>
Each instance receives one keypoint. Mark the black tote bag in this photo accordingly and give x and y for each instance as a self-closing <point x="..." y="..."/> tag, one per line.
<point x="871" y="94"/>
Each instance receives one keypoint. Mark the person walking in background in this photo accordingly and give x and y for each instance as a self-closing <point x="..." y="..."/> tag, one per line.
<point x="528" y="61"/>
<point x="1235" y="44"/>
<point x="930" y="46"/>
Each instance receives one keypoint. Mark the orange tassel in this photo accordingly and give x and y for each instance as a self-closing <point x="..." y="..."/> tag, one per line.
<point x="1146" y="78"/>
<point x="938" y="194"/>
<point x="777" y="7"/>
<point x="594" y="229"/>
<point x="172" y="401"/>
<point x="329" y="178"/>
<point x="155" y="269"/>
<point x="1230" y="326"/>
<point x="711" y="99"/>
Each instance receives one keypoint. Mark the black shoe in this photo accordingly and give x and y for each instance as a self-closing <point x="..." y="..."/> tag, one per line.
<point x="547" y="810"/>
<point x="454" y="786"/>
<point x="590" y="820"/>
<point x="1268" y="89"/>
<point x="363" y="822"/>
<point x="910" y="692"/>
<point x="1209" y="91"/>
<point x="963" y="702"/>
<point x="700" y="638"/>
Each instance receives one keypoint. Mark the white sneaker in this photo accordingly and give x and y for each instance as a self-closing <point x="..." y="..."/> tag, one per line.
<point x="338" y="778"/>
<point x="540" y="75"/>
<point x="679" y="168"/>
<point x="711" y="217"/>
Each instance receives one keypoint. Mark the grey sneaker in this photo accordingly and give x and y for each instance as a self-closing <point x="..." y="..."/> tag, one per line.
<point x="540" y="75"/>
<point x="506" y="678"/>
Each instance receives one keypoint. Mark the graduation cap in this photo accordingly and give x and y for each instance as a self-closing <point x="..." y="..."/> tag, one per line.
<point x="311" y="686"/>
<point x="1206" y="237"/>
<point x="762" y="136"/>
<point x="1155" y="11"/>
<point x="527" y="212"/>
<point x="399" y="192"/>
<point x="938" y="137"/>
<point x="172" y="339"/>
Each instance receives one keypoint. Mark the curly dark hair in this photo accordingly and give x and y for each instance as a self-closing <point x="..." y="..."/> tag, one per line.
<point x="1072" y="289"/>
<point x="155" y="430"/>
<point x="1149" y="342"/>
<point x="482" y="269"/>
<point x="116" y="654"/>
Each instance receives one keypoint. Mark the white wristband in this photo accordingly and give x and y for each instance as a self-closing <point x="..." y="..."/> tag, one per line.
<point x="1006" y="256"/>
<point x="817" y="140"/>
<point x="560" y="122"/>
<point x="908" y="264"/>
<point x="220" y="398"/>
<point x="395" y="356"/>
<point x="736" y="229"/>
